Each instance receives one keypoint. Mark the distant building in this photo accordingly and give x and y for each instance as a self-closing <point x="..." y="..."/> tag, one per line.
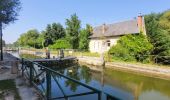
<point x="107" y="35"/>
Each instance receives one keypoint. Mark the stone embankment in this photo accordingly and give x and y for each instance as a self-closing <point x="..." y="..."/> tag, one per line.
<point x="142" y="69"/>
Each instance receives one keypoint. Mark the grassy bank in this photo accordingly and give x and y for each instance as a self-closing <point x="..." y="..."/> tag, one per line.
<point x="107" y="56"/>
<point x="9" y="85"/>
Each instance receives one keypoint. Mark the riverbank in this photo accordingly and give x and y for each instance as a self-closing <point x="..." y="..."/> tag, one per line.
<point x="162" y="72"/>
<point x="20" y="88"/>
<point x="156" y="71"/>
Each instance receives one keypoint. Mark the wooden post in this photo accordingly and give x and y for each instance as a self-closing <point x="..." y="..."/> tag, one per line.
<point x="48" y="78"/>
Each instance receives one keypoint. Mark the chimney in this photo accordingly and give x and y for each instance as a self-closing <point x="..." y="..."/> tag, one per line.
<point x="103" y="28"/>
<point x="140" y="22"/>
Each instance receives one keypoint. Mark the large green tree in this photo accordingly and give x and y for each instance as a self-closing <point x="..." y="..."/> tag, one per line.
<point x="29" y="38"/>
<point x="53" y="32"/>
<point x="9" y="10"/>
<point x="73" y="26"/>
<point x="84" y="38"/>
<point x="48" y="35"/>
<point x="58" y="31"/>
<point x="158" y="31"/>
<point x="40" y="41"/>
<point x="8" y="13"/>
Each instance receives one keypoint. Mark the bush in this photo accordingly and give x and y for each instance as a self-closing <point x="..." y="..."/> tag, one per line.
<point x="132" y="48"/>
<point x="61" y="44"/>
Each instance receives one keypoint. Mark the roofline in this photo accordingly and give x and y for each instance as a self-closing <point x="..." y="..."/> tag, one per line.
<point x="116" y="22"/>
<point x="111" y="36"/>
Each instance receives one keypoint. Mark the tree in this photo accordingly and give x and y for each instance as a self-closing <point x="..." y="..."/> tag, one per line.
<point x="40" y="40"/>
<point x="84" y="38"/>
<point x="53" y="32"/>
<point x="22" y="40"/>
<point x="8" y="13"/>
<point x="73" y="30"/>
<point x="165" y="21"/>
<point x="29" y="38"/>
<point x="58" y="31"/>
<point x="158" y="31"/>
<point x="48" y="36"/>
<point x="32" y="36"/>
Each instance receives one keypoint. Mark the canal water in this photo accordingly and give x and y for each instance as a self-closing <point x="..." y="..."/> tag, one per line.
<point x="123" y="85"/>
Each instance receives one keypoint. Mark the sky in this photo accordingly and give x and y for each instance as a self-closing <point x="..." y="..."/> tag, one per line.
<point x="36" y="14"/>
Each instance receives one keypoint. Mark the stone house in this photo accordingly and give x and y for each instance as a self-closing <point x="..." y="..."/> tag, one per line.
<point x="107" y="35"/>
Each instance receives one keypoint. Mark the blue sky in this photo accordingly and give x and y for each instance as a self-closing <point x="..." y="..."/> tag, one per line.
<point x="36" y="14"/>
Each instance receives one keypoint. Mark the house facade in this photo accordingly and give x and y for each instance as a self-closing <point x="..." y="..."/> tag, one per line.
<point x="107" y="35"/>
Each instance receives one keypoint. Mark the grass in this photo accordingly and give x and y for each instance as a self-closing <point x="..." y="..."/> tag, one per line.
<point x="9" y="85"/>
<point x="29" y="56"/>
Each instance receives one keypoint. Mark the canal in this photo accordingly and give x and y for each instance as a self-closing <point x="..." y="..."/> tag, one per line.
<point x="123" y="85"/>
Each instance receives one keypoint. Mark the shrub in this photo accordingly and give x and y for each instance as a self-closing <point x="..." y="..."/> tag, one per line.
<point x="61" y="44"/>
<point x="132" y="48"/>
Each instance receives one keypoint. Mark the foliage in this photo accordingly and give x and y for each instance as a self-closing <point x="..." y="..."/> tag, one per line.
<point x="84" y="38"/>
<point x="132" y="48"/>
<point x="56" y="37"/>
<point x="73" y="30"/>
<point x="58" y="31"/>
<point x="47" y="36"/>
<point x="158" y="31"/>
<point x="61" y="44"/>
<point x="164" y="21"/>
<point x="29" y="38"/>
<point x="53" y="32"/>
<point x="40" y="41"/>
<point x="9" y="10"/>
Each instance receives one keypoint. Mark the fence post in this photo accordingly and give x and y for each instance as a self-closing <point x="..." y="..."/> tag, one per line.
<point x="22" y="67"/>
<point x="99" y="96"/>
<point x="31" y="73"/>
<point x="48" y="78"/>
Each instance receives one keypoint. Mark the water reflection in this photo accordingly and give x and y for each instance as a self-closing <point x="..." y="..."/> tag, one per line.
<point x="139" y="86"/>
<point x="85" y="74"/>
<point x="79" y="74"/>
<point x="73" y="73"/>
<point x="126" y="86"/>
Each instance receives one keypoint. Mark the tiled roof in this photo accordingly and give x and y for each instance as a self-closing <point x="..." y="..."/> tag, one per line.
<point x="116" y="29"/>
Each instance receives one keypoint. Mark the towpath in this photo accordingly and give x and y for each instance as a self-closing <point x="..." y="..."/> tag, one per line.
<point x="25" y="91"/>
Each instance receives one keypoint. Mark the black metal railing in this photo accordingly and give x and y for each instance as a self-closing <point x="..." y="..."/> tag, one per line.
<point x="36" y="74"/>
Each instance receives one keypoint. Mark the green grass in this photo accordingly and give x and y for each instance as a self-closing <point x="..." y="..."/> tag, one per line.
<point x="29" y="56"/>
<point x="86" y="54"/>
<point x="10" y="86"/>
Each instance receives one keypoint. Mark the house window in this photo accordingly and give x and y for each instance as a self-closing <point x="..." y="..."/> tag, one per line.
<point x="108" y="43"/>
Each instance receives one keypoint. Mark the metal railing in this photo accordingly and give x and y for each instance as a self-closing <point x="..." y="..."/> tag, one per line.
<point x="34" y="72"/>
